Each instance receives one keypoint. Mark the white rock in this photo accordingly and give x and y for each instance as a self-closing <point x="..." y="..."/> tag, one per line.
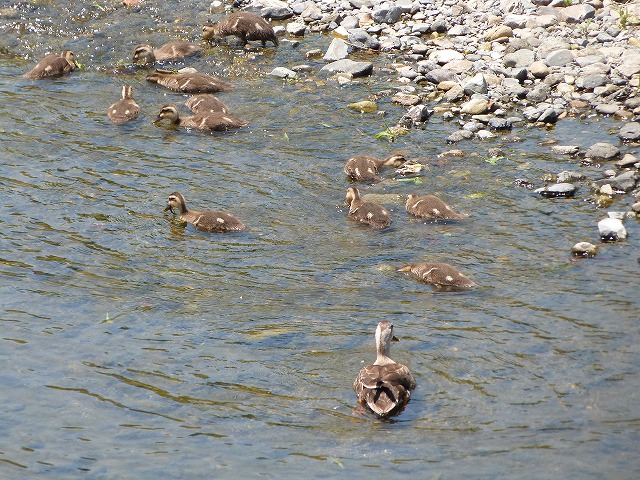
<point x="611" y="229"/>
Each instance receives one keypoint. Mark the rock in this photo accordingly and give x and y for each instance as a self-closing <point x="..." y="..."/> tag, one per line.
<point x="566" y="176"/>
<point x="359" y="38"/>
<point x="445" y="56"/>
<point x="607" y="108"/>
<point x="365" y="106"/>
<point x="387" y="14"/>
<point x="549" y="115"/>
<point x="630" y="132"/>
<point x="499" y="123"/>
<point x="636" y="207"/>
<point x="592" y="81"/>
<point x="338" y="50"/>
<point x="484" y="134"/>
<point x="626" y="181"/>
<point x="476" y="84"/>
<point x="559" y="58"/>
<point x="459" y="135"/>
<point x="454" y="94"/>
<point x="602" y="151"/>
<point x="283" y="72"/>
<point x="406" y="99"/>
<point x="521" y="58"/>
<point x="565" y="149"/>
<point x="577" y="13"/>
<point x="539" y="69"/>
<point x="475" y="106"/>
<point x="276" y="12"/>
<point x="357" y="69"/>
<point x="611" y="230"/>
<point x="627" y="161"/>
<point x="498" y="32"/>
<point x="297" y="29"/>
<point x="438" y="75"/>
<point x="584" y="249"/>
<point x="606" y="189"/>
<point x="557" y="190"/>
<point x="417" y="114"/>
<point x="538" y="94"/>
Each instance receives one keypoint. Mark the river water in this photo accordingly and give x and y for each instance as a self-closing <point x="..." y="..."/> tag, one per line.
<point x="133" y="347"/>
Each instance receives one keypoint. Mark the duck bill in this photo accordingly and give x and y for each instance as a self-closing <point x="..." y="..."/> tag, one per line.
<point x="168" y="207"/>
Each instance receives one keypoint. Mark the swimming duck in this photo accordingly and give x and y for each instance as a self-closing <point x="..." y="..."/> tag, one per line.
<point x="363" y="168"/>
<point x="189" y="82"/>
<point x="206" y="103"/>
<point x="244" y="25"/>
<point x="177" y="50"/>
<point x="53" y="66"/>
<point x="205" y="221"/>
<point x="384" y="387"/>
<point x="125" y="109"/>
<point x="430" y="206"/>
<point x="366" y="212"/>
<point x="216" y="121"/>
<point x="441" y="275"/>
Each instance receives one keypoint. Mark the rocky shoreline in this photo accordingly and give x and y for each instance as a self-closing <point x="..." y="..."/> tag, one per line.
<point x="495" y="64"/>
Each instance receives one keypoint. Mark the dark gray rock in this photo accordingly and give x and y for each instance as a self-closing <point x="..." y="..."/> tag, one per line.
<point x="276" y="13"/>
<point x="499" y="124"/>
<point x="557" y="190"/>
<point x="359" y="38"/>
<point x="630" y="132"/>
<point x="387" y="14"/>
<point x="438" y="75"/>
<point x="602" y="151"/>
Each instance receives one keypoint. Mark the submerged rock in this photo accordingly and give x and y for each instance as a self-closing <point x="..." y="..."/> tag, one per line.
<point x="584" y="249"/>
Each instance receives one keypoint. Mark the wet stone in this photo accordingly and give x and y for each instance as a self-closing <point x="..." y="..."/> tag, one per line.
<point x="557" y="190"/>
<point x="630" y="132"/>
<point x="611" y="230"/>
<point x="565" y="149"/>
<point x="584" y="249"/>
<point x="602" y="151"/>
<point x="567" y="176"/>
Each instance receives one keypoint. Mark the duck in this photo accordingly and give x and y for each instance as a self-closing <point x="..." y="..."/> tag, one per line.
<point x="125" y="109"/>
<point x="244" y="25"/>
<point x="204" y="221"/>
<point x="53" y="66"/>
<point x="430" y="206"/>
<point x="384" y="387"/>
<point x="370" y="213"/>
<point x="206" y="103"/>
<point x="216" y="121"/>
<point x="442" y="275"/>
<point x="363" y="168"/>
<point x="189" y="82"/>
<point x="176" y="50"/>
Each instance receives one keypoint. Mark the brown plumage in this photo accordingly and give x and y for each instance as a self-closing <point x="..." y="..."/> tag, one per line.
<point x="206" y="103"/>
<point x="363" y="168"/>
<point x="246" y="26"/>
<point x="204" y="221"/>
<point x="216" y="121"/>
<point x="53" y="66"/>
<point x="125" y="109"/>
<point x="189" y="82"/>
<point x="384" y="387"/>
<point x="177" y="50"/>
<point x="441" y="275"/>
<point x="429" y="206"/>
<point x="370" y="213"/>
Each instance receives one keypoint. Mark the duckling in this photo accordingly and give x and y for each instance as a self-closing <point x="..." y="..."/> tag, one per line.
<point x="53" y="66"/>
<point x="206" y="103"/>
<point x="216" y="121"/>
<point x="244" y="25"/>
<point x="125" y="109"/>
<point x="441" y="275"/>
<point x="178" y="50"/>
<point x="205" y="221"/>
<point x="189" y="82"/>
<point x="430" y="206"/>
<point x="363" y="168"/>
<point x="384" y="387"/>
<point x="366" y="212"/>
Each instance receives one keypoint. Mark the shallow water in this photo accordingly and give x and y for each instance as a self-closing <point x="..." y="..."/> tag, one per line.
<point x="135" y="347"/>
